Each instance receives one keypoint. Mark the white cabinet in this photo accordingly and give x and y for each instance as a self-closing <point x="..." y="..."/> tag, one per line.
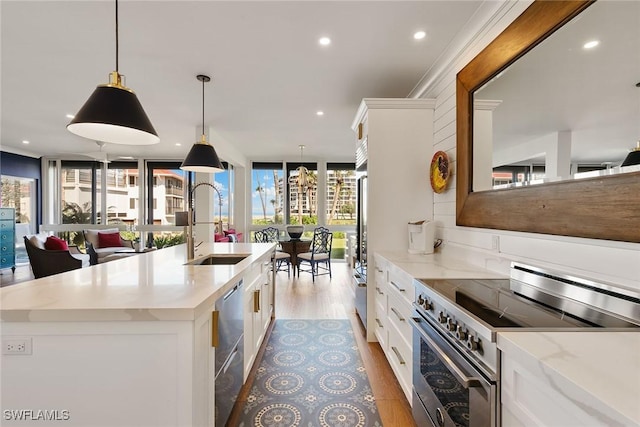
<point x="393" y="301"/>
<point x="258" y="309"/>
<point x="397" y="135"/>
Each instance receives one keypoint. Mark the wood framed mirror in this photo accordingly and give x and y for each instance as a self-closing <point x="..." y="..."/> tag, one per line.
<point x="604" y="207"/>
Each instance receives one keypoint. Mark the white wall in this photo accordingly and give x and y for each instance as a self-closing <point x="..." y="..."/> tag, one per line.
<point x="615" y="262"/>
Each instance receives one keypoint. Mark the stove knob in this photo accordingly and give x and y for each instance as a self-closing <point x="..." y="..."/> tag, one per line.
<point x="427" y="305"/>
<point x="420" y="300"/>
<point x="472" y="343"/>
<point x="442" y="318"/>
<point x="461" y="334"/>
<point x="451" y="324"/>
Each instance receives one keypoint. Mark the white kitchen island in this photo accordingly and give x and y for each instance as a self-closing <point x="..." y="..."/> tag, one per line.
<point x="124" y="343"/>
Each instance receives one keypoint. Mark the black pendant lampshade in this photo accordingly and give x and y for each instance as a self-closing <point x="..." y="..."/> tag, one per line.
<point x="633" y="158"/>
<point x="113" y="113"/>
<point x="202" y="157"/>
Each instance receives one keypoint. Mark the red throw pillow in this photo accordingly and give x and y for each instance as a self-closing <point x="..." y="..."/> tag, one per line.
<point x="54" y="243"/>
<point x="108" y="240"/>
<point x="229" y="231"/>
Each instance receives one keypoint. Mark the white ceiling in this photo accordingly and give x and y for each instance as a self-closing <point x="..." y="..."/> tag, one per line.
<point x="269" y="74"/>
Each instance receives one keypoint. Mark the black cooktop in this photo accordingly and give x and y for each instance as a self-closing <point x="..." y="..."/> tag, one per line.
<point x="508" y="303"/>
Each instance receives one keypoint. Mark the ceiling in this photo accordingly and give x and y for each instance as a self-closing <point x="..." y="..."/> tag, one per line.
<point x="269" y="74"/>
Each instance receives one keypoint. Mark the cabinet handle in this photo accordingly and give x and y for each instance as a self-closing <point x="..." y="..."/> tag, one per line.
<point x="397" y="287"/>
<point x="214" y="328"/>
<point x="379" y="291"/>
<point x="256" y="301"/>
<point x="380" y="325"/>
<point x="378" y="270"/>
<point x="398" y="315"/>
<point x="400" y="359"/>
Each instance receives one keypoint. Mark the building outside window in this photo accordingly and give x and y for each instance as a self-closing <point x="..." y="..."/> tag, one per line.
<point x="341" y="194"/>
<point x="80" y="192"/>
<point x="302" y="190"/>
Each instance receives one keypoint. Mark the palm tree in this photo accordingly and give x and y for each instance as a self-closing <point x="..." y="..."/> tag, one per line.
<point x="260" y="189"/>
<point x="73" y="213"/>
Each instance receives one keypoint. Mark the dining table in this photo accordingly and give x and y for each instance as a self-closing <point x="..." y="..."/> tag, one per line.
<point x="294" y="247"/>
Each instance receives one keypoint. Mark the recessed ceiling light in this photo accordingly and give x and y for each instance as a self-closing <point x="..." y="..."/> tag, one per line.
<point x="419" y="35"/>
<point x="70" y="116"/>
<point x="126" y="157"/>
<point x="178" y="144"/>
<point x="591" y="44"/>
<point x="324" y="41"/>
<point x="24" y="141"/>
<point x="320" y="113"/>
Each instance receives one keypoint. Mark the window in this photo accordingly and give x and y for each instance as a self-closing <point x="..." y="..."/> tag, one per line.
<point x="341" y="194"/>
<point x="223" y="200"/>
<point x="302" y="190"/>
<point x="267" y="193"/>
<point x="119" y="191"/>
<point x="80" y="182"/>
<point x="166" y="195"/>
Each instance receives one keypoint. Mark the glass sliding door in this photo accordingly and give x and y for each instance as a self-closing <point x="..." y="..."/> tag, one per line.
<point x="20" y="194"/>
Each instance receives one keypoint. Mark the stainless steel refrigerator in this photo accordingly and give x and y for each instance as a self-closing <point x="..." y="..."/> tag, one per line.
<point x="360" y="270"/>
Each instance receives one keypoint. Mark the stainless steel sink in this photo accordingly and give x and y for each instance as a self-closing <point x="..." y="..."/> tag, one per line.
<point x="218" y="260"/>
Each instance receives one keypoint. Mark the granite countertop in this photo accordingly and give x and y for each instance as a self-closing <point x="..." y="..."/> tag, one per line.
<point x="436" y="266"/>
<point x="148" y="286"/>
<point x="598" y="371"/>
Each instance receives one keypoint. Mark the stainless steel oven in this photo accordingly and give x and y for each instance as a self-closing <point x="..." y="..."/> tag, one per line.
<point x="456" y="361"/>
<point x="447" y="389"/>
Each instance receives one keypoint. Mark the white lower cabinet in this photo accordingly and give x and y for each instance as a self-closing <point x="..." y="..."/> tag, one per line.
<point x="530" y="398"/>
<point x="393" y="306"/>
<point x="399" y="354"/>
<point x="258" y="308"/>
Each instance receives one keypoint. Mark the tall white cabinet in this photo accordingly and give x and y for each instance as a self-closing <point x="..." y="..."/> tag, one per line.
<point x="398" y="134"/>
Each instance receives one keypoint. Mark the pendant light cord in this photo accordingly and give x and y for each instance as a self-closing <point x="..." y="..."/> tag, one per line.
<point x="203" y="80"/>
<point x="117" y="46"/>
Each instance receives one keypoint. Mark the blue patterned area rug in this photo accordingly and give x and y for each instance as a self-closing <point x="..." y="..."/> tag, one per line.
<point x="311" y="375"/>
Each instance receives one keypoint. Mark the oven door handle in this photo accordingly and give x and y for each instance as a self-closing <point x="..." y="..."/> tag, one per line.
<point x="466" y="381"/>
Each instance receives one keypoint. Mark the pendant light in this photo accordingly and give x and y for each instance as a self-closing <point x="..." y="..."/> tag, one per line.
<point x="303" y="172"/>
<point x="113" y="113"/>
<point x="202" y="157"/>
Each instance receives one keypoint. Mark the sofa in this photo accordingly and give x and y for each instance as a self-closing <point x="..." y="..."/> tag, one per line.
<point x="229" y="235"/>
<point x="50" y="255"/>
<point x="102" y="243"/>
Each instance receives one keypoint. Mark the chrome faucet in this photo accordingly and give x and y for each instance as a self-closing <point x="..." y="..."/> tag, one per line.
<point x="191" y="253"/>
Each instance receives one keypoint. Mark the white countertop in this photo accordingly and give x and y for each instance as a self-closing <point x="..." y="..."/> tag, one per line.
<point x="600" y="370"/>
<point x="436" y="266"/>
<point x="155" y="285"/>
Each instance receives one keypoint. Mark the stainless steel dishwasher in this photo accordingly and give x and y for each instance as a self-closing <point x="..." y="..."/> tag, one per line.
<point x="229" y="323"/>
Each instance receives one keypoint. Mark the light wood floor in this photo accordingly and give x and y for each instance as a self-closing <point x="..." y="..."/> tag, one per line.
<point x="299" y="298"/>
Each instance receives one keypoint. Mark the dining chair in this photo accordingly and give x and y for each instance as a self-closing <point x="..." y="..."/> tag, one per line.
<point x="280" y="259"/>
<point x="319" y="258"/>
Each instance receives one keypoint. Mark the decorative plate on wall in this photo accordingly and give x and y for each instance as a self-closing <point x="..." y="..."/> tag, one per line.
<point x="439" y="172"/>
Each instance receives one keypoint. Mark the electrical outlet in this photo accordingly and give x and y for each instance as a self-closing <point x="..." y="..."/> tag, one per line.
<point x="16" y="346"/>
